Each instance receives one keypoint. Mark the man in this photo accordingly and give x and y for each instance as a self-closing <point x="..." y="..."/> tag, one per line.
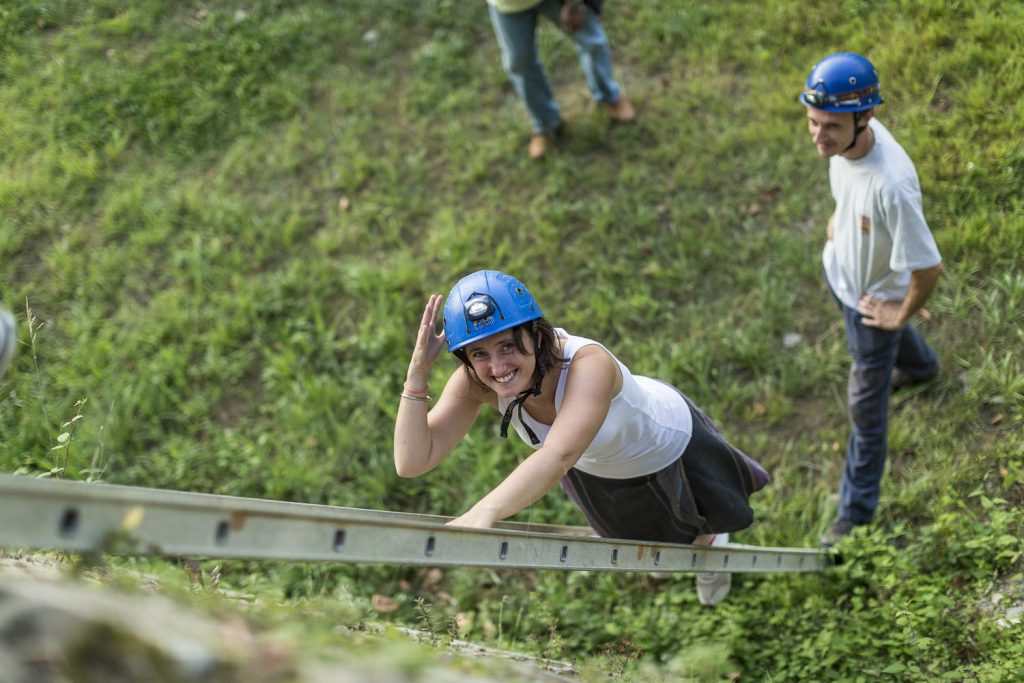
<point x="515" y="25"/>
<point x="881" y="264"/>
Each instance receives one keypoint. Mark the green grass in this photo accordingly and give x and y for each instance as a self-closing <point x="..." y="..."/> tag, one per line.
<point x="223" y="225"/>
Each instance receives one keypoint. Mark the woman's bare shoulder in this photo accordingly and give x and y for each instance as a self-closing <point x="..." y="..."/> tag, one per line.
<point x="593" y="361"/>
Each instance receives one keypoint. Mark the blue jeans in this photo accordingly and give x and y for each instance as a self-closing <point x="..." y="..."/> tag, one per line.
<point x="875" y="353"/>
<point x="517" y="38"/>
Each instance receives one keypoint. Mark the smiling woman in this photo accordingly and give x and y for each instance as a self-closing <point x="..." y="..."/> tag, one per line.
<point x="635" y="454"/>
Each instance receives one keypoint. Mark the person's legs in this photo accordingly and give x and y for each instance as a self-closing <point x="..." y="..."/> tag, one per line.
<point x="516" y="34"/>
<point x="594" y="52"/>
<point x="873" y="352"/>
<point x="914" y="358"/>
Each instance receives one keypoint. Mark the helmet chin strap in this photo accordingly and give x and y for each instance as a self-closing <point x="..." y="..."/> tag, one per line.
<point x="857" y="130"/>
<point x="521" y="399"/>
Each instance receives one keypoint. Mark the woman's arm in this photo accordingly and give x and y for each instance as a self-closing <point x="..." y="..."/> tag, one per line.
<point x="423" y="439"/>
<point x="593" y="381"/>
<point x="423" y="436"/>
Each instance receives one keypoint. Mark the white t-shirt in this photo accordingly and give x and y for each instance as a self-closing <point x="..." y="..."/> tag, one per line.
<point x="880" y="233"/>
<point x="647" y="428"/>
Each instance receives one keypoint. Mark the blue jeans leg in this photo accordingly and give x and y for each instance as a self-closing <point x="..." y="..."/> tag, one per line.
<point x="517" y="38"/>
<point x="914" y="356"/>
<point x="593" y="50"/>
<point x="874" y="354"/>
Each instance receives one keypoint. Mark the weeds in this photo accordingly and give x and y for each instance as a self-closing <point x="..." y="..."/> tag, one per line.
<point x="34" y="326"/>
<point x="620" y="654"/>
<point x="426" y="620"/>
<point x="553" y="646"/>
<point x="999" y="380"/>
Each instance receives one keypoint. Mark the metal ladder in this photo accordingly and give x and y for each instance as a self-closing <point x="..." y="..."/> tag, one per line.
<point x="51" y="514"/>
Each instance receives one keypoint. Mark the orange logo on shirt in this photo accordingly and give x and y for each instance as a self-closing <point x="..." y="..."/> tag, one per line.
<point x="865" y="224"/>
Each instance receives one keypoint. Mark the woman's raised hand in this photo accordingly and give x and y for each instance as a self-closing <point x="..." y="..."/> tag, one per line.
<point x="428" y="343"/>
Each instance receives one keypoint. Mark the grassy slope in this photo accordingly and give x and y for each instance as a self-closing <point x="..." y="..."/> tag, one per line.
<point x="219" y="226"/>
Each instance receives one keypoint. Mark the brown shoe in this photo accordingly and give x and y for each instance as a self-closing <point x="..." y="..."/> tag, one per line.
<point x="620" y="111"/>
<point x="539" y="144"/>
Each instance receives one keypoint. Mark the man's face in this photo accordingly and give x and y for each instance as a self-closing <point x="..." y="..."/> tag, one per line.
<point x="831" y="131"/>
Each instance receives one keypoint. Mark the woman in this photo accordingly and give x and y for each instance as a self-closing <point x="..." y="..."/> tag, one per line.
<point x="638" y="457"/>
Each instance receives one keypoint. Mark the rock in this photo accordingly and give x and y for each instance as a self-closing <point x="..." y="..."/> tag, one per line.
<point x="62" y="630"/>
<point x="58" y="629"/>
<point x="791" y="340"/>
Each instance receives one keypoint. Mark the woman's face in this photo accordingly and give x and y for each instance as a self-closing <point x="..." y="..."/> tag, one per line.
<point x="500" y="365"/>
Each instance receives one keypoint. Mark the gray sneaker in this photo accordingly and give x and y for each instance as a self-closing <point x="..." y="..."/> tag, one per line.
<point x="840" y="528"/>
<point x="712" y="587"/>
<point x="8" y="337"/>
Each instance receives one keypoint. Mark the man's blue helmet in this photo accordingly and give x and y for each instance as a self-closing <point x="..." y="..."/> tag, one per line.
<point x="844" y="81"/>
<point x="484" y="303"/>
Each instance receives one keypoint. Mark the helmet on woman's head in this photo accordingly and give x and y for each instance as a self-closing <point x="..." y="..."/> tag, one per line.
<point x="844" y="81"/>
<point x="485" y="303"/>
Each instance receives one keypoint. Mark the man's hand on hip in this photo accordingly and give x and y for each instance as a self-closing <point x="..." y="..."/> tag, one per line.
<point x="885" y="315"/>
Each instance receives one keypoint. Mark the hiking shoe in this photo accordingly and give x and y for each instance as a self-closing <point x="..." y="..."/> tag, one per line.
<point x="901" y="380"/>
<point x="540" y="143"/>
<point x="840" y="528"/>
<point x="8" y="336"/>
<point x="619" y="111"/>
<point x="712" y="587"/>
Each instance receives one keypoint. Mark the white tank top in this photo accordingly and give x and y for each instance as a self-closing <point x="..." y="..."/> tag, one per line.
<point x="647" y="428"/>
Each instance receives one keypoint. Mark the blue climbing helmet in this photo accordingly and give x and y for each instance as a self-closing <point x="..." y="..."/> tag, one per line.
<point x="484" y="303"/>
<point x="844" y="81"/>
